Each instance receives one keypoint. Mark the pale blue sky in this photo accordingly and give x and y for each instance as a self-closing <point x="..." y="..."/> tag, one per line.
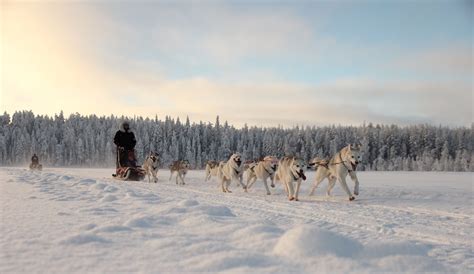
<point x="261" y="63"/>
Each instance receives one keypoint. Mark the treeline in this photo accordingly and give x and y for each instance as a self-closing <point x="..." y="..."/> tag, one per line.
<point x="86" y="141"/>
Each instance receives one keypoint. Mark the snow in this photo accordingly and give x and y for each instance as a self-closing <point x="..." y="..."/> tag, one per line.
<point x="81" y="220"/>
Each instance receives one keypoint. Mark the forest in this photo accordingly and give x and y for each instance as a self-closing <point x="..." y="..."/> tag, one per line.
<point x="87" y="141"/>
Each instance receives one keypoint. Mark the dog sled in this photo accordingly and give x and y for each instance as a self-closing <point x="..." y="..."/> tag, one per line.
<point x="126" y="168"/>
<point x="35" y="166"/>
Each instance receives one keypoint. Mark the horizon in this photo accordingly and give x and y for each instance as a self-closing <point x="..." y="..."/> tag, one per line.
<point x="222" y="121"/>
<point x="299" y="64"/>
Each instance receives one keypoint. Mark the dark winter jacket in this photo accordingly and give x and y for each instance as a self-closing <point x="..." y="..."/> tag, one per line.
<point x="34" y="159"/>
<point x="125" y="139"/>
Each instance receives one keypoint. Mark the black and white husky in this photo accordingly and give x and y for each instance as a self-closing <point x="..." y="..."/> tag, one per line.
<point x="291" y="170"/>
<point x="151" y="166"/>
<point x="231" y="170"/>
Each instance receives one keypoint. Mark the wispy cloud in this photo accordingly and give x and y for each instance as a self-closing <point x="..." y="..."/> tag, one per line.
<point x="208" y="60"/>
<point x="452" y="60"/>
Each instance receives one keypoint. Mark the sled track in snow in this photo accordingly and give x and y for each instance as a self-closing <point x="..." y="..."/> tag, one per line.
<point x="365" y="217"/>
<point x="368" y="221"/>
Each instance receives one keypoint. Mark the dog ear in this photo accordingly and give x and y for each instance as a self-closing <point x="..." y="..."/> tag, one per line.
<point x="349" y="146"/>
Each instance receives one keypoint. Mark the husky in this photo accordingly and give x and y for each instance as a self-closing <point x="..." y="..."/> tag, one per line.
<point x="263" y="170"/>
<point x="231" y="170"/>
<point x="151" y="166"/>
<point x="181" y="168"/>
<point x="338" y="167"/>
<point x="212" y="168"/>
<point x="290" y="169"/>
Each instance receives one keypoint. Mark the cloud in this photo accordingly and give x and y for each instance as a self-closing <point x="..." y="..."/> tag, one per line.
<point x="75" y="58"/>
<point x="225" y="34"/>
<point x="454" y="59"/>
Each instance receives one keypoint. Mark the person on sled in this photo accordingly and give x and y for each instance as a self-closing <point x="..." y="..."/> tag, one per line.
<point x="34" y="160"/>
<point x="125" y="141"/>
<point x="35" y="163"/>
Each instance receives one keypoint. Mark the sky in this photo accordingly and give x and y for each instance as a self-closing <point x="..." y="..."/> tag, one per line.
<point x="263" y="63"/>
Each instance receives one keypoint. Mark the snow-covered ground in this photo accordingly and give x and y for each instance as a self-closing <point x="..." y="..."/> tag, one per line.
<point x="81" y="220"/>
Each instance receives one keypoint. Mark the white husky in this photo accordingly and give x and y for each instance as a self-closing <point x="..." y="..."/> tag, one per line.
<point x="337" y="168"/>
<point x="181" y="168"/>
<point x="231" y="170"/>
<point x="151" y="166"/>
<point x="262" y="170"/>
<point x="212" y="168"/>
<point x="290" y="170"/>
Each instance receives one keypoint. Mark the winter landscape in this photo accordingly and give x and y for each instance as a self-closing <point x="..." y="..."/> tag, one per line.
<point x="81" y="220"/>
<point x="236" y="136"/>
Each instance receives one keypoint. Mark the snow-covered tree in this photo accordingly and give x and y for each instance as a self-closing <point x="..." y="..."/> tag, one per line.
<point x="87" y="141"/>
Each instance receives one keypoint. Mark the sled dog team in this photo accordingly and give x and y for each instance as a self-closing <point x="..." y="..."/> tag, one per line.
<point x="288" y="170"/>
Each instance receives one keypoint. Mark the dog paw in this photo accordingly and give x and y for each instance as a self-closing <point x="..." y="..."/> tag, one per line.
<point x="356" y="193"/>
<point x="296" y="199"/>
<point x="292" y="198"/>
<point x="268" y="193"/>
<point x="352" y="198"/>
<point x="272" y="185"/>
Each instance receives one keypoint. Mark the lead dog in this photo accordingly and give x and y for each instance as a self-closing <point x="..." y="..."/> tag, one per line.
<point x="338" y="167"/>
<point x="290" y="170"/>
<point x="212" y="168"/>
<point x="151" y="166"/>
<point x="181" y="168"/>
<point x="262" y="170"/>
<point x="231" y="170"/>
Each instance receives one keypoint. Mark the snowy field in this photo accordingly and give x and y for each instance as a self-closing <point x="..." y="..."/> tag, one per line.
<point x="81" y="220"/>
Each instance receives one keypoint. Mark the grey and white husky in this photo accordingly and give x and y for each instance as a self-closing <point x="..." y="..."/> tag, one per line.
<point x="181" y="168"/>
<point x="338" y="167"/>
<point x="263" y="170"/>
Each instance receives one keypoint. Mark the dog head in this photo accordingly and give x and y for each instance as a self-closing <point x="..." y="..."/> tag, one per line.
<point x="236" y="158"/>
<point x="354" y="155"/>
<point x="313" y="163"/>
<point x="271" y="162"/>
<point x="212" y="164"/>
<point x="185" y="164"/>
<point x="153" y="156"/>
<point x="297" y="167"/>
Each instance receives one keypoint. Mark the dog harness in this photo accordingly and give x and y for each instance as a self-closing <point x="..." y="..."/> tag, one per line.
<point x="344" y="164"/>
<point x="236" y="171"/>
<point x="269" y="173"/>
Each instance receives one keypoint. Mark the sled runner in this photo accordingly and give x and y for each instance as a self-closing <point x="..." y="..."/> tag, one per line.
<point x="127" y="169"/>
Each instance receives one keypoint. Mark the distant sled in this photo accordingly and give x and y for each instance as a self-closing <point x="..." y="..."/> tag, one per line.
<point x="36" y="167"/>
